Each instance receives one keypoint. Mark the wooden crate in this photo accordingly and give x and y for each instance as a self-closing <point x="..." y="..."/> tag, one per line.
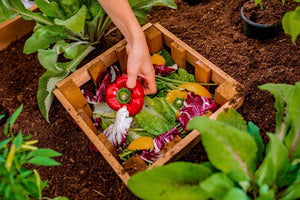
<point x="14" y="29"/>
<point x="228" y="94"/>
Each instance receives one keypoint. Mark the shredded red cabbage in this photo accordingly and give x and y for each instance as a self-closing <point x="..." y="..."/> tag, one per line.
<point x="159" y="142"/>
<point x="195" y="105"/>
<point x="104" y="79"/>
<point x="162" y="70"/>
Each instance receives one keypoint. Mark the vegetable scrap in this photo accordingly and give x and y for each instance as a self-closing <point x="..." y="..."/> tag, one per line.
<point x="144" y="124"/>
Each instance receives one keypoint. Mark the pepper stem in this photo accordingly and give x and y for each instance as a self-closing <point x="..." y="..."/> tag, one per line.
<point x="178" y="102"/>
<point x="123" y="95"/>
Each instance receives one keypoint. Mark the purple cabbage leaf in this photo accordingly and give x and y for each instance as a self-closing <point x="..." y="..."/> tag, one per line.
<point x="195" y="105"/>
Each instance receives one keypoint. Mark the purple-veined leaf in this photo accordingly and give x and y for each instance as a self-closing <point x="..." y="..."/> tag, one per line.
<point x="104" y="79"/>
<point x="195" y="105"/>
<point x="116" y="132"/>
<point x="158" y="143"/>
<point x="162" y="70"/>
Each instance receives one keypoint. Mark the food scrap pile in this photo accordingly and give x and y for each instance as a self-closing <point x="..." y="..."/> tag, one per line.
<point x="141" y="124"/>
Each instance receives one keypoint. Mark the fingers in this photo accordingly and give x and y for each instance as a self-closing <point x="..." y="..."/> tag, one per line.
<point x="131" y="81"/>
<point x="150" y="87"/>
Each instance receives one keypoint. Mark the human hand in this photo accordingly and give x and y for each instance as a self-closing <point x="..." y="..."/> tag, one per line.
<point x="139" y="65"/>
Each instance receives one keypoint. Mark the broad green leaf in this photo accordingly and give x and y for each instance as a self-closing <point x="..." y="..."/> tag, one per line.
<point x="290" y="176"/>
<point x="293" y="139"/>
<point x="43" y="161"/>
<point x="281" y="93"/>
<point x="46" y="86"/>
<point x="44" y="153"/>
<point x="43" y="37"/>
<point x="5" y="12"/>
<point x="142" y="8"/>
<point x="253" y="130"/>
<point x="76" y="22"/>
<point x="157" y="115"/>
<point x="265" y="193"/>
<point x="18" y="140"/>
<point x="233" y="118"/>
<point x="291" y="23"/>
<point x="48" y="81"/>
<point x="4" y="142"/>
<point x="229" y="149"/>
<point x="174" y="181"/>
<point x="18" y="7"/>
<point x="293" y="191"/>
<point x="182" y="75"/>
<point x="275" y="163"/>
<point x="14" y="117"/>
<point x="49" y="8"/>
<point x="236" y="194"/>
<point x="48" y="59"/>
<point x="216" y="185"/>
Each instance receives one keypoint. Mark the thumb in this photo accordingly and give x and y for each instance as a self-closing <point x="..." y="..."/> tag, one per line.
<point x="131" y="81"/>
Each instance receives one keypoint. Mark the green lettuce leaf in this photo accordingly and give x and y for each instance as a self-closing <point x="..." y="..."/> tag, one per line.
<point x="182" y="75"/>
<point x="282" y="93"/>
<point x="167" y="56"/>
<point x="174" y="181"/>
<point x="142" y="8"/>
<point x="49" y="8"/>
<point x="6" y="13"/>
<point x="293" y="191"/>
<point x="253" y="130"/>
<point x="43" y="37"/>
<point x="291" y="23"/>
<point x="216" y="185"/>
<point x="233" y="118"/>
<point x="236" y="194"/>
<point x="292" y="140"/>
<point x="76" y="22"/>
<point x="275" y="164"/>
<point x="157" y="115"/>
<point x="229" y="149"/>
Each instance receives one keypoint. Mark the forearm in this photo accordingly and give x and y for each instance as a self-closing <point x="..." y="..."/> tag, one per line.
<point x="122" y="16"/>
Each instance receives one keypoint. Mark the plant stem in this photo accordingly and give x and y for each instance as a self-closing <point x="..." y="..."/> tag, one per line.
<point x="177" y="82"/>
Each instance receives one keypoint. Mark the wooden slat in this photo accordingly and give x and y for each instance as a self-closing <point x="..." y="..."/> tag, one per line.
<point x="178" y="54"/>
<point x="72" y="92"/>
<point x="179" y="149"/>
<point x="134" y="165"/>
<point x="225" y="92"/>
<point x="91" y="134"/>
<point x="14" y="29"/>
<point x="95" y="69"/>
<point x="218" y="76"/>
<point x="108" y="145"/>
<point x="154" y="40"/>
<point x="109" y="57"/>
<point x="122" y="57"/>
<point x="202" y="73"/>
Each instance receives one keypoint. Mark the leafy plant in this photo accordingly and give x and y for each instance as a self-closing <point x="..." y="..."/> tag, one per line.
<point x="290" y="20"/>
<point x="237" y="168"/>
<point x="18" y="182"/>
<point x="69" y="28"/>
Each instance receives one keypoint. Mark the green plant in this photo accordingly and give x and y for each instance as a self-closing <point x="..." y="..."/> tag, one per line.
<point x="237" y="168"/>
<point x="290" y="20"/>
<point x="70" y="28"/>
<point x="18" y="182"/>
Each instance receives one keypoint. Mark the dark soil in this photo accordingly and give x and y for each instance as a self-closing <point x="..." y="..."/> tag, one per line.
<point x="213" y="28"/>
<point x="271" y="11"/>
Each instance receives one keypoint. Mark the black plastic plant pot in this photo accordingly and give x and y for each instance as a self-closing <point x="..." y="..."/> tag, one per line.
<point x="259" y="31"/>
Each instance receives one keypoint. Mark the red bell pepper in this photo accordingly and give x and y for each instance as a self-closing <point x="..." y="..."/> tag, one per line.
<point x="118" y="95"/>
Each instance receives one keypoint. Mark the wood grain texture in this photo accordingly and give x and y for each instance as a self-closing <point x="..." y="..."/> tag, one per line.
<point x="12" y="30"/>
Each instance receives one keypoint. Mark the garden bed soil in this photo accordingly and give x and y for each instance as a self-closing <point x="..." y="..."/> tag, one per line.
<point x="213" y="28"/>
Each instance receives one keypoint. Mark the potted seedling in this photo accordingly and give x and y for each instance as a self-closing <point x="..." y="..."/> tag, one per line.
<point x="262" y="19"/>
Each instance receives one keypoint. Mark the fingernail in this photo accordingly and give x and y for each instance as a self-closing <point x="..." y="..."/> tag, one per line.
<point x="130" y="84"/>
